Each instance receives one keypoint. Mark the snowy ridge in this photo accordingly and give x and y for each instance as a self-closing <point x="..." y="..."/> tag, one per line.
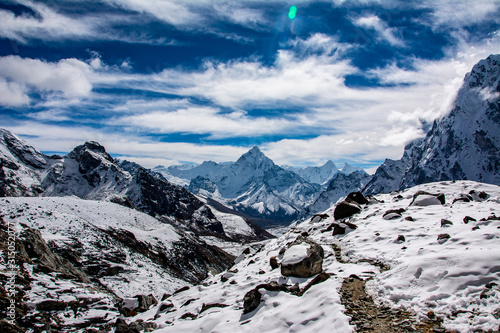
<point x="465" y="144"/>
<point x="317" y="175"/>
<point x="456" y="277"/>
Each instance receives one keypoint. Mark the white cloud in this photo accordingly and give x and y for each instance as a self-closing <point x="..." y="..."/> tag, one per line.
<point x="50" y="25"/>
<point x="459" y="13"/>
<point x="63" y="139"/>
<point x="384" y="32"/>
<point x="205" y="120"/>
<point x="12" y="94"/>
<point x="69" y="76"/>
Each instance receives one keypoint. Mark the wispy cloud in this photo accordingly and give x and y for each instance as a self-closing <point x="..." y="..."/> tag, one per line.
<point x="382" y="30"/>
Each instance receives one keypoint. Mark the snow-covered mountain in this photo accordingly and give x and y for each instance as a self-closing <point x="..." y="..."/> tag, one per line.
<point x="405" y="263"/>
<point x="89" y="172"/>
<point x="465" y="144"/>
<point x="340" y="185"/>
<point x="348" y="169"/>
<point x="316" y="175"/>
<point x="253" y="185"/>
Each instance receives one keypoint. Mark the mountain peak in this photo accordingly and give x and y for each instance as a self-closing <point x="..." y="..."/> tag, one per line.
<point x="255" y="158"/>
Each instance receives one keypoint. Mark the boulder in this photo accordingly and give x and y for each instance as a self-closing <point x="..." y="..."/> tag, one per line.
<point x="346" y="209"/>
<point x="422" y="198"/>
<point x="393" y="214"/>
<point x="357" y="197"/>
<point x="251" y="300"/>
<point x="302" y="259"/>
<point x="273" y="261"/>
<point x="145" y="302"/>
<point x="445" y="222"/>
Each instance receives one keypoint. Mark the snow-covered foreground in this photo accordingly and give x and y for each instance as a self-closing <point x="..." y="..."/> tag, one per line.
<point x="457" y="278"/>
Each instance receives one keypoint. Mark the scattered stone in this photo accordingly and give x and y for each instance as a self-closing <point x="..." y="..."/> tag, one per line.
<point x="319" y="217"/>
<point x="409" y="218"/>
<point x="262" y="272"/>
<point x="205" y="307"/>
<point x="246" y="251"/>
<point x="273" y="261"/>
<point x="338" y="229"/>
<point x="145" y="302"/>
<point x="251" y="300"/>
<point x="463" y="198"/>
<point x="479" y="196"/>
<point x="189" y="315"/>
<point x="401" y="238"/>
<point x="165" y="296"/>
<point x="467" y="219"/>
<point x="181" y="290"/>
<point x="165" y="306"/>
<point x="443" y="237"/>
<point x="445" y="222"/>
<point x="51" y="305"/>
<point x="393" y="214"/>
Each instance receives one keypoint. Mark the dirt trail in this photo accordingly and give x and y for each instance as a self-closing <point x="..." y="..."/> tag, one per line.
<point x="370" y="317"/>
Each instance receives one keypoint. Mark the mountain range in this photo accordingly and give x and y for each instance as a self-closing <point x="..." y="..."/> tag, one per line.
<point x="256" y="186"/>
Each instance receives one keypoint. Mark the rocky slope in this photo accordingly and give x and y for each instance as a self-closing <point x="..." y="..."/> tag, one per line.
<point x="465" y="144"/>
<point x="79" y="261"/>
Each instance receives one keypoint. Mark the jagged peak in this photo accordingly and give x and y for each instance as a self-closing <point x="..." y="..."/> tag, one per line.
<point x="92" y="146"/>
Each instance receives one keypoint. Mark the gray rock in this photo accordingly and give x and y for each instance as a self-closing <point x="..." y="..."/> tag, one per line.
<point x="346" y="209"/>
<point x="311" y="265"/>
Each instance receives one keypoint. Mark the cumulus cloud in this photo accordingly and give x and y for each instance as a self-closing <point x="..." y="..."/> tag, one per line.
<point x="381" y="28"/>
<point x="204" y="120"/>
<point x="12" y="94"/>
<point x="68" y="76"/>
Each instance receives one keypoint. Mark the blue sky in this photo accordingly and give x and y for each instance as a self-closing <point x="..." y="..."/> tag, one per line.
<point x="166" y="82"/>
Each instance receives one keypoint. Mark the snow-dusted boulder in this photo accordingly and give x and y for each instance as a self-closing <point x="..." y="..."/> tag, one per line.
<point x="422" y="198"/>
<point x="303" y="259"/>
<point x="346" y="209"/>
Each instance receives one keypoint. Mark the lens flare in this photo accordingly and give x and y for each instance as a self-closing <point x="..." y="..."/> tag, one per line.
<point x="292" y="12"/>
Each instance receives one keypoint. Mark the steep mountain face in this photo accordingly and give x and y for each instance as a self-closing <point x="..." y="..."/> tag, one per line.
<point x="19" y="167"/>
<point x="253" y="185"/>
<point x="339" y="186"/>
<point x="316" y="175"/>
<point x="465" y="144"/>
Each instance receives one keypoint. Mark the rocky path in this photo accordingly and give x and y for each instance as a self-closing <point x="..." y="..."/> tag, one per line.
<point x="370" y="317"/>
